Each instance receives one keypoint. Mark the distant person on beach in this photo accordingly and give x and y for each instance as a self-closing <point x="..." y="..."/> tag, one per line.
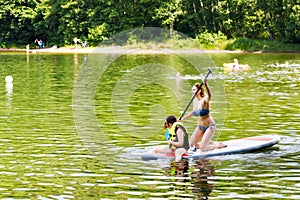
<point x="41" y="44"/>
<point x="75" y="40"/>
<point x="83" y="44"/>
<point x="36" y="42"/>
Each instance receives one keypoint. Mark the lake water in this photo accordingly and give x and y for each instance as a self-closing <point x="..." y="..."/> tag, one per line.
<point x="73" y="125"/>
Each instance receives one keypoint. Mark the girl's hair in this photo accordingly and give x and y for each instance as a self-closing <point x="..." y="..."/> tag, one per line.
<point x="171" y="119"/>
<point x="202" y="94"/>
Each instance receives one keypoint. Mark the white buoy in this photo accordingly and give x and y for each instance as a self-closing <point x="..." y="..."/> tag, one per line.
<point x="9" y="79"/>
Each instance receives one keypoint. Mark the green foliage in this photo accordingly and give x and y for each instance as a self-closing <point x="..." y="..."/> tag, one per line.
<point x="262" y="45"/>
<point x="245" y="44"/>
<point x="211" y="40"/>
<point x="57" y="22"/>
<point x="97" y="34"/>
<point x="16" y="19"/>
<point x="168" y="13"/>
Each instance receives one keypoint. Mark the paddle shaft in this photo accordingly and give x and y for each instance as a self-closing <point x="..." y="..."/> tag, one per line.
<point x="199" y="88"/>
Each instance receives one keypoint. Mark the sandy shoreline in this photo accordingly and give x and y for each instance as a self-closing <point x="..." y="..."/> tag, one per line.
<point x="113" y="50"/>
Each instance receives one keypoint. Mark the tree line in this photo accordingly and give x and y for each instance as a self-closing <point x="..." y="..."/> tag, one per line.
<point x="57" y="22"/>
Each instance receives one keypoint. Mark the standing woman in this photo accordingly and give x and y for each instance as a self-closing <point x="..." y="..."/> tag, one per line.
<point x="206" y="127"/>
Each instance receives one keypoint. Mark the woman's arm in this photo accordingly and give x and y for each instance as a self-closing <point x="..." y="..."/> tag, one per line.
<point x="207" y="89"/>
<point x="187" y="116"/>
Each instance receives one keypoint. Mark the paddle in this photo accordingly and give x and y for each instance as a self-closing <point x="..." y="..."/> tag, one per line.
<point x="199" y="88"/>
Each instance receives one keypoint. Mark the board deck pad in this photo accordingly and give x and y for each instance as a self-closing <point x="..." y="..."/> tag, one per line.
<point x="242" y="145"/>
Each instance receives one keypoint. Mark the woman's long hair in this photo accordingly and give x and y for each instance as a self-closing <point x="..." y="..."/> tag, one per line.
<point x="201" y="93"/>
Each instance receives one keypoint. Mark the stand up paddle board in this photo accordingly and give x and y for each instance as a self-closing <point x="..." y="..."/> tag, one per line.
<point x="235" y="146"/>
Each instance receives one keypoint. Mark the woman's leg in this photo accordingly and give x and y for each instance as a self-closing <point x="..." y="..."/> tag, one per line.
<point x="196" y="137"/>
<point x="161" y="149"/>
<point x="206" y="142"/>
<point x="178" y="154"/>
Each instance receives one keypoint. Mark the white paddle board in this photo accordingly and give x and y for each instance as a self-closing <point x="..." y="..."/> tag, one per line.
<point x="235" y="146"/>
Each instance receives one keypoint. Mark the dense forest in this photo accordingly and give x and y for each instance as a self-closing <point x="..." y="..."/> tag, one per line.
<point x="57" y="22"/>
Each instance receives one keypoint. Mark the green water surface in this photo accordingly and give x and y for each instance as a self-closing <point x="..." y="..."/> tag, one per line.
<point x="72" y="126"/>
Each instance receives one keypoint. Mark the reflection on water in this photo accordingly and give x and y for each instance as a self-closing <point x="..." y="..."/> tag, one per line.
<point x="43" y="157"/>
<point x="9" y="89"/>
<point x="191" y="179"/>
<point x="202" y="176"/>
<point x="9" y="85"/>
